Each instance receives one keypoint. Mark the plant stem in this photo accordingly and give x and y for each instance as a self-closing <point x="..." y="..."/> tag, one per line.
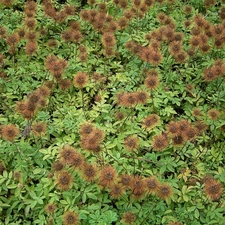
<point x="83" y="107"/>
<point x="127" y="116"/>
<point x="142" y="222"/>
<point x="106" y="150"/>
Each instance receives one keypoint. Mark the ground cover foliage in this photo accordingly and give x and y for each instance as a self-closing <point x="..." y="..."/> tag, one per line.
<point x="112" y="112"/>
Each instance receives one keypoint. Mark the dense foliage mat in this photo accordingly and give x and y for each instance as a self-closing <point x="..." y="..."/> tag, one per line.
<point x="112" y="112"/>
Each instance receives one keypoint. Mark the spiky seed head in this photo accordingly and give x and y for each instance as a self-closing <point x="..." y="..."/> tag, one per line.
<point x="160" y="142"/>
<point x="108" y="176"/>
<point x="64" y="180"/>
<point x="80" y="80"/>
<point x="9" y="132"/>
<point x="70" y="218"/>
<point x="89" y="172"/>
<point x="164" y="191"/>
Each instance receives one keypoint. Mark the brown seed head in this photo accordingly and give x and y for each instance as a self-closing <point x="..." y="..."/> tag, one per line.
<point x="209" y="75"/>
<point x="108" y="39"/>
<point x="77" y="36"/>
<point x="31" y="48"/>
<point x="44" y="91"/>
<point x="102" y="7"/>
<point x="138" y="187"/>
<point x="64" y="180"/>
<point x="152" y="184"/>
<point x="151" y="82"/>
<point x="187" y="9"/>
<point x="173" y="128"/>
<point x="7" y="3"/>
<point x="195" y="41"/>
<point x="90" y="143"/>
<point x="31" y="36"/>
<point x="175" y="48"/>
<point x="128" y="100"/>
<point x="80" y="79"/>
<point x="201" y="126"/>
<point x="122" y="23"/>
<point x="196" y="112"/>
<point x="181" y="57"/>
<point x="205" y="48"/>
<point x="39" y="129"/>
<point x="142" y="97"/>
<point x="84" y="15"/>
<point x="199" y="21"/>
<point x="209" y="3"/>
<point x="119" y="116"/>
<point x="108" y="176"/>
<point x="116" y="191"/>
<point x="9" y="132"/>
<point x="112" y="27"/>
<point x="74" y="25"/>
<point x="70" y="218"/>
<point x="160" y="142"/>
<point x="150" y="121"/>
<point x="31" y="5"/>
<point x="191" y="133"/>
<point x="109" y="52"/>
<point x="50" y="208"/>
<point x="77" y="161"/>
<point x="178" y="140"/>
<point x="60" y="16"/>
<point x="187" y="23"/>
<point x="65" y="84"/>
<point x="149" y="3"/>
<point x="125" y="180"/>
<point x="2" y="31"/>
<point x="58" y="165"/>
<point x="164" y="191"/>
<point x="89" y="172"/>
<point x="213" y="114"/>
<point x="29" y="110"/>
<point x="68" y="35"/>
<point x="67" y="154"/>
<point x="129" y="14"/>
<point x="128" y="218"/>
<point x="97" y="77"/>
<point x="69" y="10"/>
<point x="29" y="13"/>
<point x="17" y="175"/>
<point x="131" y="143"/>
<point x="92" y="2"/>
<point x="12" y="39"/>
<point x="86" y="129"/>
<point x="213" y="189"/>
<point x="52" y="43"/>
<point x="98" y="134"/>
<point x="2" y="168"/>
<point x="122" y="3"/>
<point x="183" y="125"/>
<point x="30" y="23"/>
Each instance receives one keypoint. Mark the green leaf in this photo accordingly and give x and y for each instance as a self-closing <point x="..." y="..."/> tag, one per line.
<point x="190" y="209"/>
<point x="92" y="196"/>
<point x="12" y="186"/>
<point x="84" y="197"/>
<point x="185" y="197"/>
<point x="64" y="202"/>
<point x="196" y="213"/>
<point x="37" y="171"/>
<point x="33" y="195"/>
<point x="184" y="189"/>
